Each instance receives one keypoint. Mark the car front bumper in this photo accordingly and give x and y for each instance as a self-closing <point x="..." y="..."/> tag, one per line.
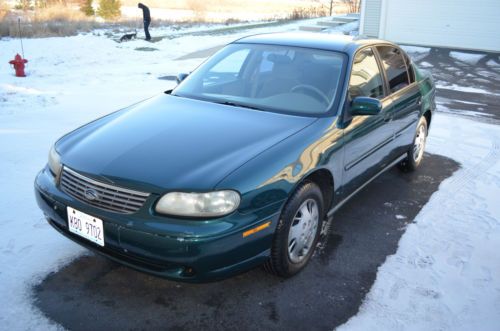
<point x="184" y="250"/>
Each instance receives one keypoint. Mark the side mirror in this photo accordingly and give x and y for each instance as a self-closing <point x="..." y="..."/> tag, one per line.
<point x="365" y="106"/>
<point x="181" y="77"/>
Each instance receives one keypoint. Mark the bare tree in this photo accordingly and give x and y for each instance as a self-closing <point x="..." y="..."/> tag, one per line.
<point x="353" y="5"/>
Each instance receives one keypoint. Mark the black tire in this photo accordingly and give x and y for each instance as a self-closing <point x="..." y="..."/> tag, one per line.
<point x="280" y="262"/>
<point x="412" y="161"/>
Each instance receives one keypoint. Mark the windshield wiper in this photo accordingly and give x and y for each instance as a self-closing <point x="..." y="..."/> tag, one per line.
<point x="221" y="102"/>
<point x="235" y="104"/>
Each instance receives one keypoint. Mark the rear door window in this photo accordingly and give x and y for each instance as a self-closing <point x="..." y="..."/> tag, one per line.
<point x="394" y="66"/>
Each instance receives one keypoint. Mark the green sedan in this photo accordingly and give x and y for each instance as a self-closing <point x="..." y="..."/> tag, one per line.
<point x="244" y="161"/>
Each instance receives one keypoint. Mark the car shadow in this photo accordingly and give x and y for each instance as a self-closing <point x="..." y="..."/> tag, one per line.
<point x="93" y="293"/>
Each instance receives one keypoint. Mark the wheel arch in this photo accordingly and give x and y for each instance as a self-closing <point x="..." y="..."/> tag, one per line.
<point x="428" y="117"/>
<point x="325" y="181"/>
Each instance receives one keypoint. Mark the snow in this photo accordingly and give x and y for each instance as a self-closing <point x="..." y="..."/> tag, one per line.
<point x="446" y="100"/>
<point x="470" y="58"/>
<point x="416" y="49"/>
<point x="443" y="105"/>
<point x="417" y="53"/>
<point x="492" y="63"/>
<point x="460" y="88"/>
<point x="348" y="28"/>
<point x="445" y="274"/>
<point x="425" y="64"/>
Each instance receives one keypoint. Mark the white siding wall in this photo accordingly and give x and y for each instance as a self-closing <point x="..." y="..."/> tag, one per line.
<point x="371" y="17"/>
<point x="469" y="24"/>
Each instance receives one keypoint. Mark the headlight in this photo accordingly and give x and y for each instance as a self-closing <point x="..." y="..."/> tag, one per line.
<point x="54" y="162"/>
<point x="211" y="204"/>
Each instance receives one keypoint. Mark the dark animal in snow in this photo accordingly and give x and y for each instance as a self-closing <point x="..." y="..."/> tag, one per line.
<point x="128" y="36"/>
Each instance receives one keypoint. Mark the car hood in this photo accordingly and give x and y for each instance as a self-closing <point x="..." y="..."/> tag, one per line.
<point x="170" y="142"/>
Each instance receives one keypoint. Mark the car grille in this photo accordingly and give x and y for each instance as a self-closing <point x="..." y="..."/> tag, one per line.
<point x="107" y="197"/>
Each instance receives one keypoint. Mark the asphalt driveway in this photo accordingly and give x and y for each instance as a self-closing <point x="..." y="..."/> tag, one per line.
<point x="93" y="293"/>
<point x="468" y="82"/>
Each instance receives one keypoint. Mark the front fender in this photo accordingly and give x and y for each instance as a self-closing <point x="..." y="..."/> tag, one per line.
<point x="267" y="180"/>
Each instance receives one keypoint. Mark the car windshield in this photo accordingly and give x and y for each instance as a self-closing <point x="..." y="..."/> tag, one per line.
<point x="286" y="79"/>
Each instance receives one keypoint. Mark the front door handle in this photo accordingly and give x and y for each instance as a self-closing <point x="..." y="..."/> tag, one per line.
<point x="387" y="117"/>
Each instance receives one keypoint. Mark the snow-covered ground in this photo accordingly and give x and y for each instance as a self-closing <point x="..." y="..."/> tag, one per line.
<point x="445" y="274"/>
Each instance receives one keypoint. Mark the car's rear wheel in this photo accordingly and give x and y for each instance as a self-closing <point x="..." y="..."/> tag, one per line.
<point x="297" y="232"/>
<point x="416" y="152"/>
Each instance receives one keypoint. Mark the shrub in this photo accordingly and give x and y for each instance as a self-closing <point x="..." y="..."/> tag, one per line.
<point x="86" y="8"/>
<point x="302" y="12"/>
<point x="3" y="10"/>
<point x="57" y="12"/>
<point x="109" y="9"/>
<point x="24" y="5"/>
<point x="53" y="20"/>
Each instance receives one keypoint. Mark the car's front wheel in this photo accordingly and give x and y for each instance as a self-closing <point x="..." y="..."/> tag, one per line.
<point x="297" y="232"/>
<point x="416" y="152"/>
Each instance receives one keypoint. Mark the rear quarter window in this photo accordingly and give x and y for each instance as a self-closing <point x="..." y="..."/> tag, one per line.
<point x="409" y="66"/>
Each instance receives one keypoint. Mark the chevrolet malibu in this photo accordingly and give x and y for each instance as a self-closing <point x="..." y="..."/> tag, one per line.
<point x="244" y="161"/>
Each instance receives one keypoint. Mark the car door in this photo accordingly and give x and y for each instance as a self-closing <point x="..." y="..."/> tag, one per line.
<point x="367" y="139"/>
<point x="405" y="95"/>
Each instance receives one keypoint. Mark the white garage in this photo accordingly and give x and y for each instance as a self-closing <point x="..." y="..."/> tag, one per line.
<point x="462" y="24"/>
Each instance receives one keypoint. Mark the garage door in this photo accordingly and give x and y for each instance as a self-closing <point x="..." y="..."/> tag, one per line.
<point x="469" y="24"/>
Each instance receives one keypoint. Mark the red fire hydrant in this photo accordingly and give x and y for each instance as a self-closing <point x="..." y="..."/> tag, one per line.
<point x="19" y="64"/>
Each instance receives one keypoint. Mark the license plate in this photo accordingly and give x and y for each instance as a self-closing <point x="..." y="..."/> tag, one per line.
<point x="86" y="226"/>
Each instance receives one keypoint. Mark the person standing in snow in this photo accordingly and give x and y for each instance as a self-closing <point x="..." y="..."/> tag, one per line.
<point x="146" y="16"/>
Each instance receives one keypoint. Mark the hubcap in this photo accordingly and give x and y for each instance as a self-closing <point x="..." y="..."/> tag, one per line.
<point x="303" y="230"/>
<point x="419" y="145"/>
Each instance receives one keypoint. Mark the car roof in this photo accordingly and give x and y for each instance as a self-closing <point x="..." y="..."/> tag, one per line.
<point x="326" y="41"/>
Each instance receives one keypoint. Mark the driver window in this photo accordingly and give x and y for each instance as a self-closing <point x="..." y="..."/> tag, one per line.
<point x="366" y="80"/>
